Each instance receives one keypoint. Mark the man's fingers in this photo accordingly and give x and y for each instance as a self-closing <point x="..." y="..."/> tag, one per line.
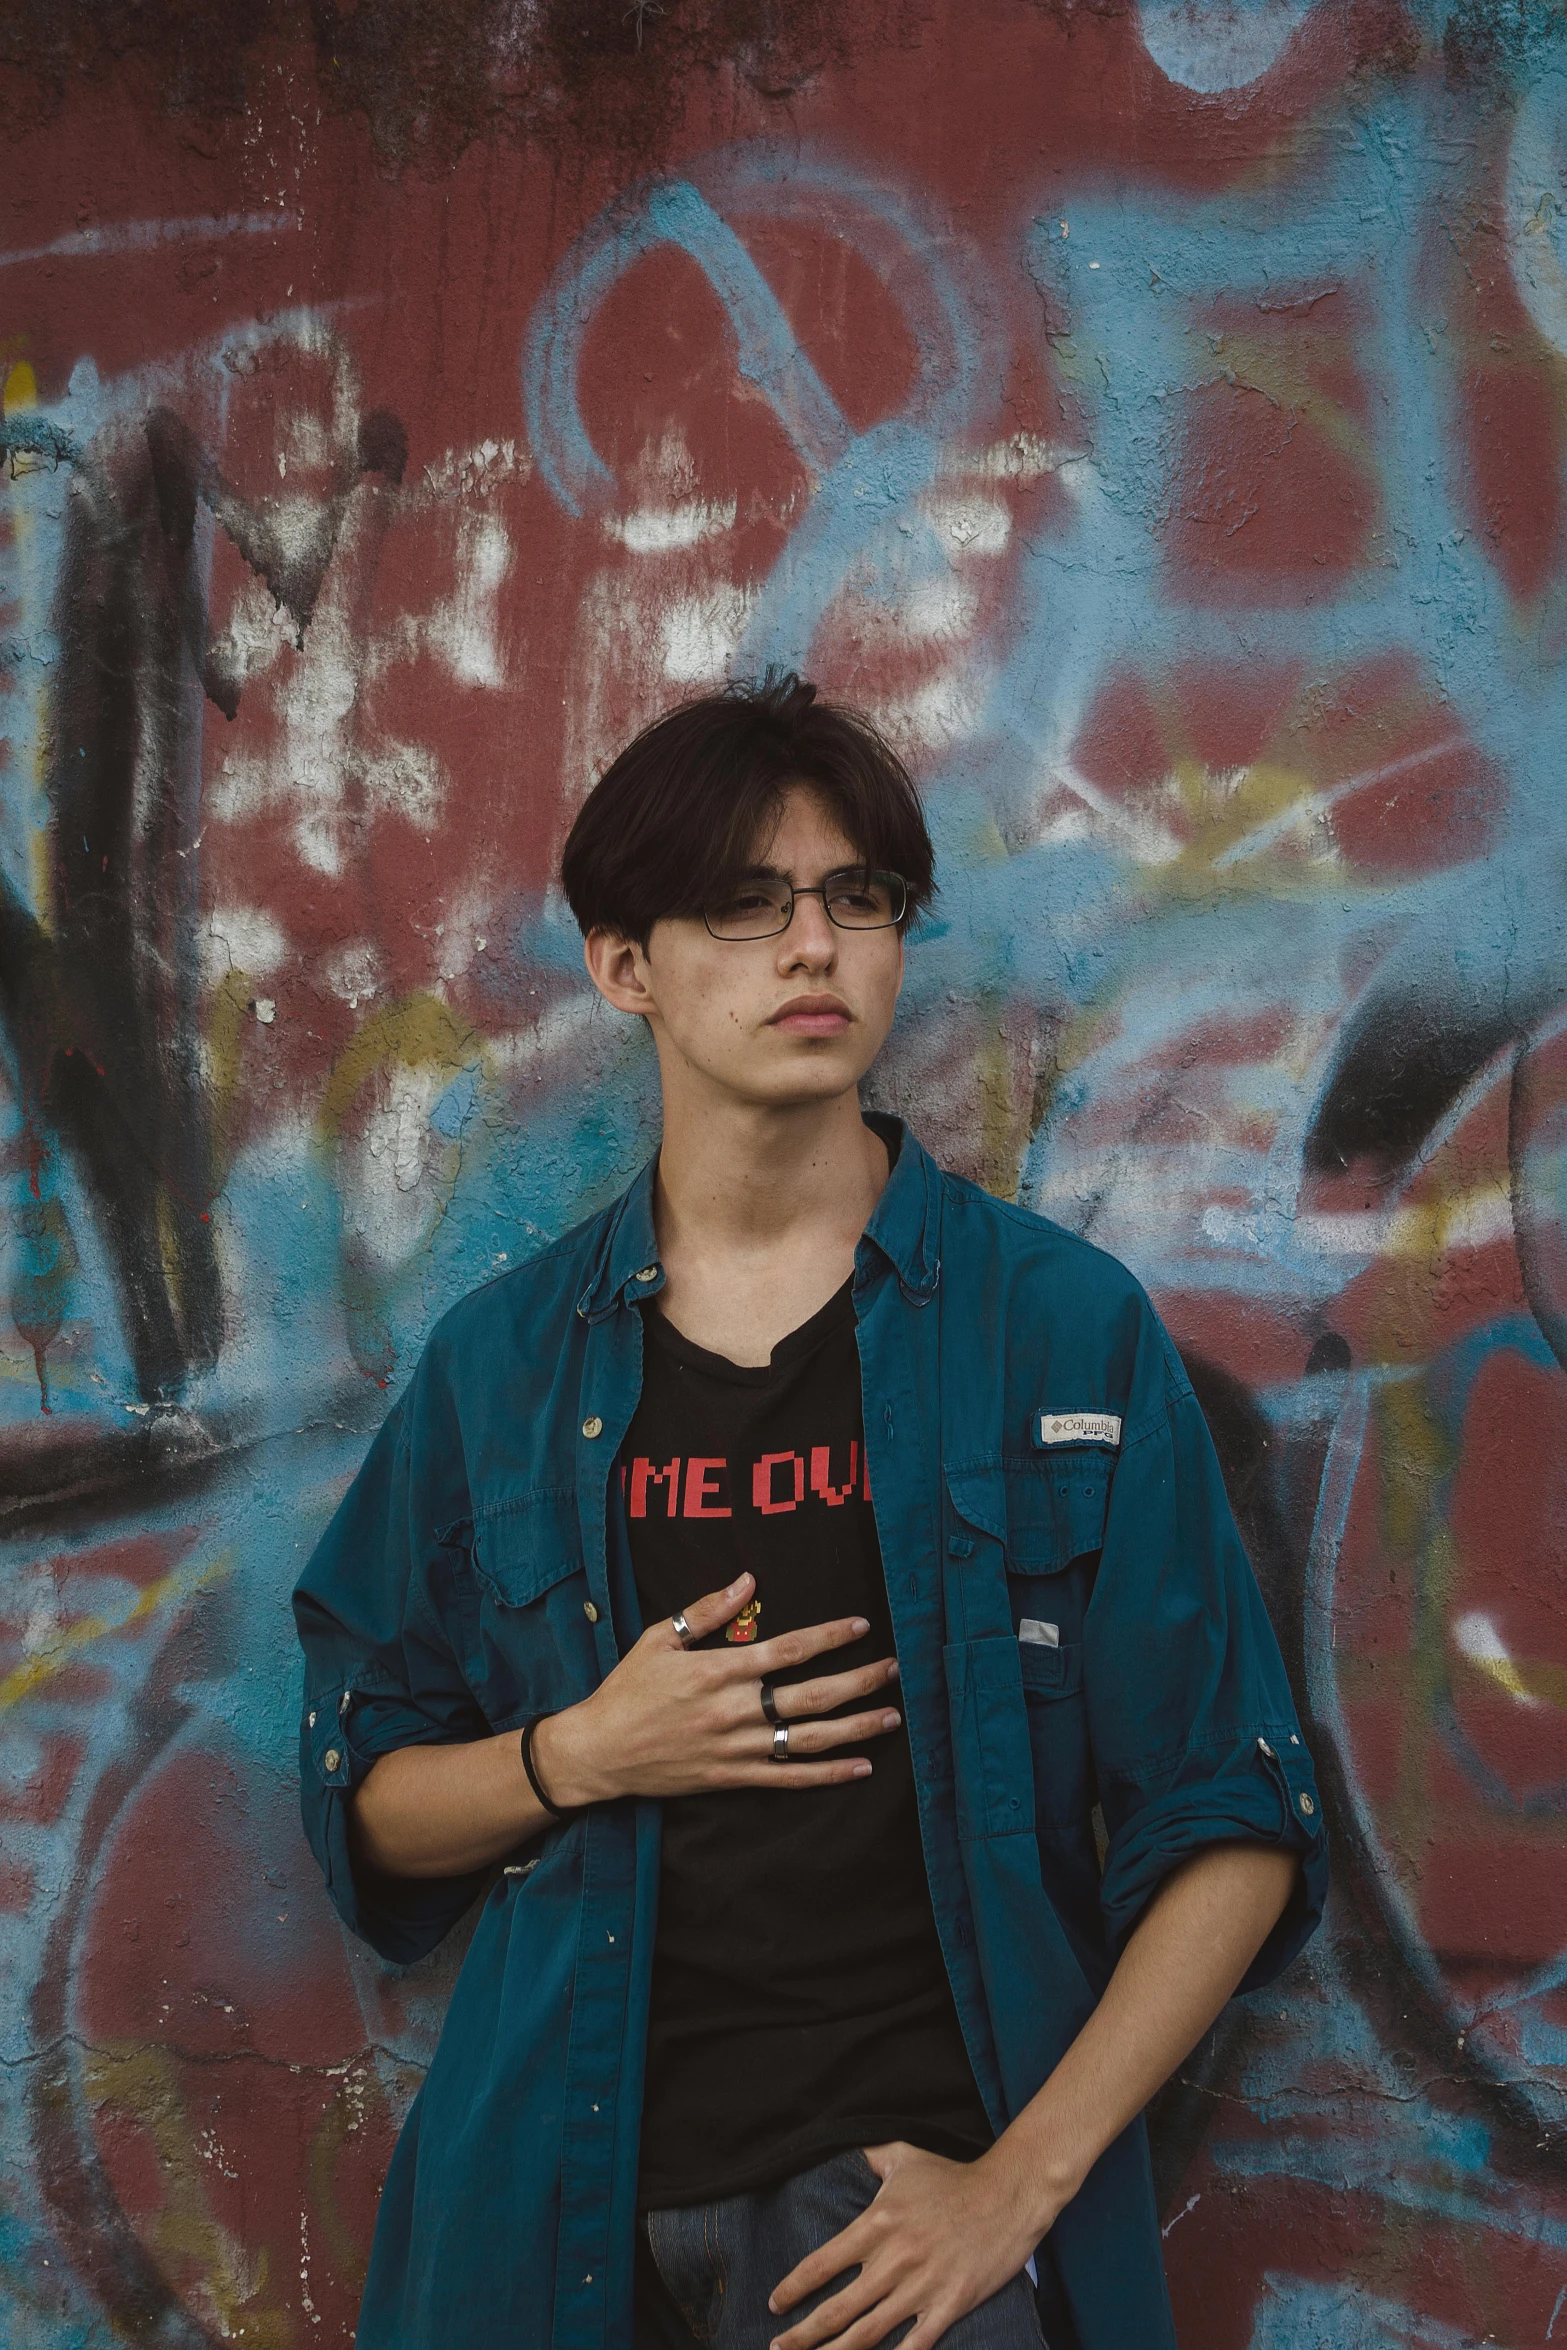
<point x="713" y="1610"/>
<point x="797" y="1648"/>
<point x="829" y="2320"/>
<point x="845" y="2250"/>
<point x="781" y="1777"/>
<point x="817" y="1737"/>
<point x="795" y="1699"/>
<point x="825" y="2328"/>
<point x="927" y="2333"/>
<point x="800" y="1701"/>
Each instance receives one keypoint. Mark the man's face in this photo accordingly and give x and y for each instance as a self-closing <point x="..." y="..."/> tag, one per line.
<point x="794" y="1018"/>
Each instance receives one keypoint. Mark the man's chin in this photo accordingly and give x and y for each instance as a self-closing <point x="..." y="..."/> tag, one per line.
<point x="807" y="1077"/>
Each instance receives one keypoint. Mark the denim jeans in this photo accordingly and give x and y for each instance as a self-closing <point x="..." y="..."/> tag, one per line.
<point x="704" y="2271"/>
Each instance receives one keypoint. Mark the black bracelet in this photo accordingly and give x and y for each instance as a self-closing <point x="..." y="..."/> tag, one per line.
<point x="554" y="1809"/>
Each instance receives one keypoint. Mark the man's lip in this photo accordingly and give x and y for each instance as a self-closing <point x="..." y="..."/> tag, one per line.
<point x="811" y="1011"/>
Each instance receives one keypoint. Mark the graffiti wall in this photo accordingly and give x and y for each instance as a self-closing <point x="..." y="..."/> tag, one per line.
<point x="1155" y="412"/>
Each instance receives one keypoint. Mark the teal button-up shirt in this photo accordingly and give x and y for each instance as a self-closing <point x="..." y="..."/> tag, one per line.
<point x="1035" y="1453"/>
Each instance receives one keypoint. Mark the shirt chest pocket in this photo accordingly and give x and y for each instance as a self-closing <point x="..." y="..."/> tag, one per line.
<point x="535" y="1632"/>
<point x="1047" y="1513"/>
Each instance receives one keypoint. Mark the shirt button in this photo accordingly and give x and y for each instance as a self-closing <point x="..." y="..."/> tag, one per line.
<point x="1307" y="1806"/>
<point x="592" y="1425"/>
<point x="590" y="1611"/>
<point x="648" y="1273"/>
<point x="331" y="1758"/>
<point x="1264" y="1748"/>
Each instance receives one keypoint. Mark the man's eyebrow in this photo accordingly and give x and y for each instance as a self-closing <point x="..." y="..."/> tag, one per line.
<point x="777" y="873"/>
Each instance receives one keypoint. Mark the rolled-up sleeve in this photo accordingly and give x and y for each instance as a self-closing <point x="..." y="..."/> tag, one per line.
<point x="1194" y="1731"/>
<point x="376" y="1610"/>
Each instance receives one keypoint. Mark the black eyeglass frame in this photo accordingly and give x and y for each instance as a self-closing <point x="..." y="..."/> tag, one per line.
<point x="900" y="890"/>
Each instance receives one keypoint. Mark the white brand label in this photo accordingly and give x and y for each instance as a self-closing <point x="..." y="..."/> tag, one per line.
<point x="1039" y="1635"/>
<point x="1079" y="1428"/>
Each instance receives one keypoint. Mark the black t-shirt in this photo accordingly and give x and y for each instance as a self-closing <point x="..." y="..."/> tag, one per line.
<point x="800" y="2004"/>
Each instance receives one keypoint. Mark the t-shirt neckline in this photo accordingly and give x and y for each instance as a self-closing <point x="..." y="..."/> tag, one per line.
<point x="825" y="1323"/>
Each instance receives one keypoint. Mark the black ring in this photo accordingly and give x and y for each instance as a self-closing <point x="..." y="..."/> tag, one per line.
<point x="770" y="1704"/>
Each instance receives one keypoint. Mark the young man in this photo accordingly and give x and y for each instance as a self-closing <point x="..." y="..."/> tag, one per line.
<point x="760" y="1599"/>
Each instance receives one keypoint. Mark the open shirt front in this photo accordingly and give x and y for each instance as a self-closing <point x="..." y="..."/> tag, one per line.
<point x="1036" y="1458"/>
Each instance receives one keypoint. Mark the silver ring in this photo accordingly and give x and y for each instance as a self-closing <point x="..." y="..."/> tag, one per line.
<point x="770" y="1704"/>
<point x="781" y="1743"/>
<point x="683" y="1631"/>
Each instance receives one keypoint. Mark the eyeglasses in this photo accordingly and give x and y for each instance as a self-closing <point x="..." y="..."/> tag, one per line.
<point x="762" y="906"/>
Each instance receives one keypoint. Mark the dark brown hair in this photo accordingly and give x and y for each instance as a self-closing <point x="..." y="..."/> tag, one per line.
<point x="680" y="815"/>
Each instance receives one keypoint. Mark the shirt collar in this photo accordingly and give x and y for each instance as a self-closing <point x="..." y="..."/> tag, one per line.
<point x="905" y="1223"/>
<point x="625" y="1264"/>
<point x="903" y="1227"/>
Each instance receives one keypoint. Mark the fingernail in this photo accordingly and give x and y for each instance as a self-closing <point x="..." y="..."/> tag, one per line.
<point x="861" y="1771"/>
<point x="892" y="1671"/>
<point x="860" y="1624"/>
<point x="890" y="1721"/>
<point x="737" y="1587"/>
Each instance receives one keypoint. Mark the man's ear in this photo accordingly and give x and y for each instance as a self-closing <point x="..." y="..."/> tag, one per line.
<point x="618" y="969"/>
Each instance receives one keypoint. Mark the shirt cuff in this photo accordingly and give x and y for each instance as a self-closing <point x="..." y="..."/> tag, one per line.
<point x="346" y="1727"/>
<point x="1257" y="1789"/>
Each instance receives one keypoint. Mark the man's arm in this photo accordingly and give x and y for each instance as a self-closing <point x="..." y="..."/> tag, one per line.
<point x="941" y="2237"/>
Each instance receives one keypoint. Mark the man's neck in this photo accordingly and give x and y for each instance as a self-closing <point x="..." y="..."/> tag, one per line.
<point x="758" y="1212"/>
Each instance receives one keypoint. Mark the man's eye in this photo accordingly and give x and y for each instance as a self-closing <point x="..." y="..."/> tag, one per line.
<point x="748" y="901"/>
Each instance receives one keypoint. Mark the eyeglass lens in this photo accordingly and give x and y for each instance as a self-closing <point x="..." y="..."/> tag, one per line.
<point x="854" y="900"/>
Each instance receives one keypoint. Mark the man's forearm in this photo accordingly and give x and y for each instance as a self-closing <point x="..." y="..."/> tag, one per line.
<point x="439" y="1811"/>
<point x="1201" y="1932"/>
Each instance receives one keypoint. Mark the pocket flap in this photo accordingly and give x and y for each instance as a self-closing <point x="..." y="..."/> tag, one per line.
<point x="979" y="1496"/>
<point x="1051" y="1672"/>
<point x="1046" y="1513"/>
<point x="1056" y="1510"/>
<point x="520" y="1549"/>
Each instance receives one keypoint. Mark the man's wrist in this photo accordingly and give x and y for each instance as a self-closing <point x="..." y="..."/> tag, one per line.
<point x="1033" y="2178"/>
<point x="564" y="1758"/>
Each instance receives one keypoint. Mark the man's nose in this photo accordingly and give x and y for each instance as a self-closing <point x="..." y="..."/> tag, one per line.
<point x="810" y="937"/>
